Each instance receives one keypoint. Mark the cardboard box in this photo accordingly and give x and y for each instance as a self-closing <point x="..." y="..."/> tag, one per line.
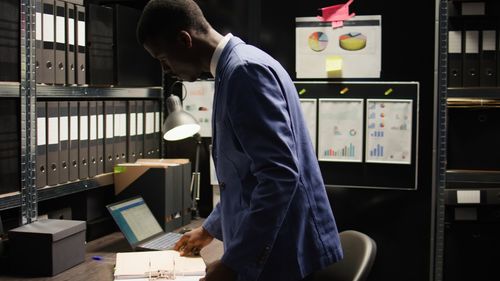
<point x="163" y="183"/>
<point x="47" y="247"/>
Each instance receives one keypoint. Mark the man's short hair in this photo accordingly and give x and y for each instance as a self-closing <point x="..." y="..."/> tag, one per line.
<point x="164" y="18"/>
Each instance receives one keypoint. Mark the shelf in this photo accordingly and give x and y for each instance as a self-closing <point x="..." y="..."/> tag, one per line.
<point x="475" y="93"/>
<point x="51" y="192"/>
<point x="12" y="200"/>
<point x="9" y="90"/>
<point x="490" y="196"/>
<point x="472" y="179"/>
<point x="77" y="92"/>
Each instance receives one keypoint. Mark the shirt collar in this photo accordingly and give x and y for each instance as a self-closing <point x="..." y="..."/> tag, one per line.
<point x="218" y="52"/>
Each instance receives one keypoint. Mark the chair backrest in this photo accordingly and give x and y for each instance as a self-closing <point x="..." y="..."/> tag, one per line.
<point x="359" y="254"/>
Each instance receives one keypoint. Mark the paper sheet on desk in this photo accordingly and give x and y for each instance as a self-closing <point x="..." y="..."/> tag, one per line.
<point x="139" y="264"/>
<point x="178" y="278"/>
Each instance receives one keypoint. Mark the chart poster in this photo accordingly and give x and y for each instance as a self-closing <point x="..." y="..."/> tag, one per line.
<point x="351" y="51"/>
<point x="310" y="110"/>
<point x="389" y="131"/>
<point x="198" y="101"/>
<point x="340" y="134"/>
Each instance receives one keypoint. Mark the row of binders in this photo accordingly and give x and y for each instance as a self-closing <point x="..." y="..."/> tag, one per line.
<point x="77" y="140"/>
<point x="60" y="42"/>
<point x="473" y="58"/>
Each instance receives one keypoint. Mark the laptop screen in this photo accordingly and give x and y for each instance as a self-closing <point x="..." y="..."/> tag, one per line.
<point x="135" y="220"/>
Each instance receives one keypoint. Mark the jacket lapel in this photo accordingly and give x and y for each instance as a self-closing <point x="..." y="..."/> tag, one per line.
<point x="219" y="75"/>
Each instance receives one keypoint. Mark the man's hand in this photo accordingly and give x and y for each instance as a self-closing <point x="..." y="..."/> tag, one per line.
<point x="217" y="271"/>
<point x="192" y="242"/>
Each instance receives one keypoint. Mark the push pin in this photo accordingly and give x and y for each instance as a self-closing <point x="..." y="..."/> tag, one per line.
<point x="388" y="92"/>
<point x="343" y="91"/>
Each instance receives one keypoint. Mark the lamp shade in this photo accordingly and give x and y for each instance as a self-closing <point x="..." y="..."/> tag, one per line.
<point x="179" y="124"/>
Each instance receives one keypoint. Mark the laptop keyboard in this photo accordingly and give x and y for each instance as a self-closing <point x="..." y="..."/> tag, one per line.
<point x="164" y="242"/>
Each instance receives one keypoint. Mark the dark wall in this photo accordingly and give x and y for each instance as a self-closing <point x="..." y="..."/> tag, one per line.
<point x="399" y="221"/>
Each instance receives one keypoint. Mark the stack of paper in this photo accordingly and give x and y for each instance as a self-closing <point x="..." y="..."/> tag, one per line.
<point x="142" y="265"/>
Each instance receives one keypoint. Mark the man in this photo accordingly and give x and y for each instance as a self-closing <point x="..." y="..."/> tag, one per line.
<point x="274" y="216"/>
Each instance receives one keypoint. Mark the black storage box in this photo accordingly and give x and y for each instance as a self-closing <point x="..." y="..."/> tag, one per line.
<point x="164" y="185"/>
<point x="47" y="247"/>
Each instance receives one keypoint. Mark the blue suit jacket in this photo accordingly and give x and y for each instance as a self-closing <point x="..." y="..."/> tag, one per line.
<point x="274" y="216"/>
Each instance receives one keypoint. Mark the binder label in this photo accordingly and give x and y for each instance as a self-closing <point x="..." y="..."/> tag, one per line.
<point x="133" y="124"/>
<point x="84" y="128"/>
<point x="38" y="28"/>
<point x="93" y="128"/>
<point x="489" y="40"/>
<point x="109" y="126"/>
<point x="48" y="28"/>
<point x="81" y="33"/>
<point x="63" y="123"/>
<point x="157" y="122"/>
<point x="74" y="128"/>
<point x="71" y="31"/>
<point x="140" y="123"/>
<point x="123" y="125"/>
<point x="60" y="30"/>
<point x="40" y="128"/>
<point x="472" y="42"/>
<point x="455" y="42"/>
<point x="53" y="130"/>
<point x="100" y="126"/>
<point x="150" y="122"/>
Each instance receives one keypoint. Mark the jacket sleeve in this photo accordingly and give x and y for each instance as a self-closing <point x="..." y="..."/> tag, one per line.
<point x="212" y="223"/>
<point x="258" y="113"/>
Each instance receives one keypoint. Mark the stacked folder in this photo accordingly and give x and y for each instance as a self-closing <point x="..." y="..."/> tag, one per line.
<point x="473" y="47"/>
<point x="77" y="140"/>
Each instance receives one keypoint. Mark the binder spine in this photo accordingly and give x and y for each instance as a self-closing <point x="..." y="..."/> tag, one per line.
<point x="132" y="132"/>
<point x="60" y="44"/>
<point x="74" y="162"/>
<point x="47" y="65"/>
<point x="100" y="137"/>
<point x="81" y="45"/>
<point x="41" y="149"/>
<point x="63" y="142"/>
<point x="52" y="143"/>
<point x="83" y="151"/>
<point x="70" y="46"/>
<point x="109" y="136"/>
<point x="488" y="69"/>
<point x="92" y="139"/>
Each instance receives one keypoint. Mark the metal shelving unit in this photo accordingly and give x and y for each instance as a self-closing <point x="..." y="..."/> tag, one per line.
<point x="29" y="207"/>
<point x="51" y="192"/>
<point x="474" y="93"/>
<point x="9" y="90"/>
<point x="78" y="92"/>
<point x="28" y="93"/>
<point x="439" y="157"/>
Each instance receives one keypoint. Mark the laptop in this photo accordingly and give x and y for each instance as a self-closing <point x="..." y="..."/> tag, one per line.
<point x="140" y="227"/>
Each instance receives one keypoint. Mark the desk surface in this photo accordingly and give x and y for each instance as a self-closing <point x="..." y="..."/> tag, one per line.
<point x="91" y="270"/>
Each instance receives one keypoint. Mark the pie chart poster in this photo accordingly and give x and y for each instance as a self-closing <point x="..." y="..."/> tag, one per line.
<point x="358" y="44"/>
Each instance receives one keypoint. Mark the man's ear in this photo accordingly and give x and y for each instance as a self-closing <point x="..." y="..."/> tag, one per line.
<point x="185" y="39"/>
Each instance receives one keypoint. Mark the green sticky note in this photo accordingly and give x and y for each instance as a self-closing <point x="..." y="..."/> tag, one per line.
<point x="119" y="169"/>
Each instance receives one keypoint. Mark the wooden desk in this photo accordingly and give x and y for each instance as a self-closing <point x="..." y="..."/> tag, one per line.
<point x="91" y="270"/>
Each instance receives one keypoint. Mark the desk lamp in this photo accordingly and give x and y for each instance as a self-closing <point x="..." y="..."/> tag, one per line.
<point x="181" y="125"/>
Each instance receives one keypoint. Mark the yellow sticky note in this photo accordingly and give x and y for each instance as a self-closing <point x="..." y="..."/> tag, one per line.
<point x="333" y="66"/>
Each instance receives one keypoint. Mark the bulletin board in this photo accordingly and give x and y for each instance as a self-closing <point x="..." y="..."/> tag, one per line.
<point x="366" y="133"/>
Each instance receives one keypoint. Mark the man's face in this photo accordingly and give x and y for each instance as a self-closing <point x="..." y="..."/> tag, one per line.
<point x="177" y="58"/>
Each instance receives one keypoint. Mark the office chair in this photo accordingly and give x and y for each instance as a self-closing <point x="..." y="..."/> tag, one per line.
<point x="359" y="255"/>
